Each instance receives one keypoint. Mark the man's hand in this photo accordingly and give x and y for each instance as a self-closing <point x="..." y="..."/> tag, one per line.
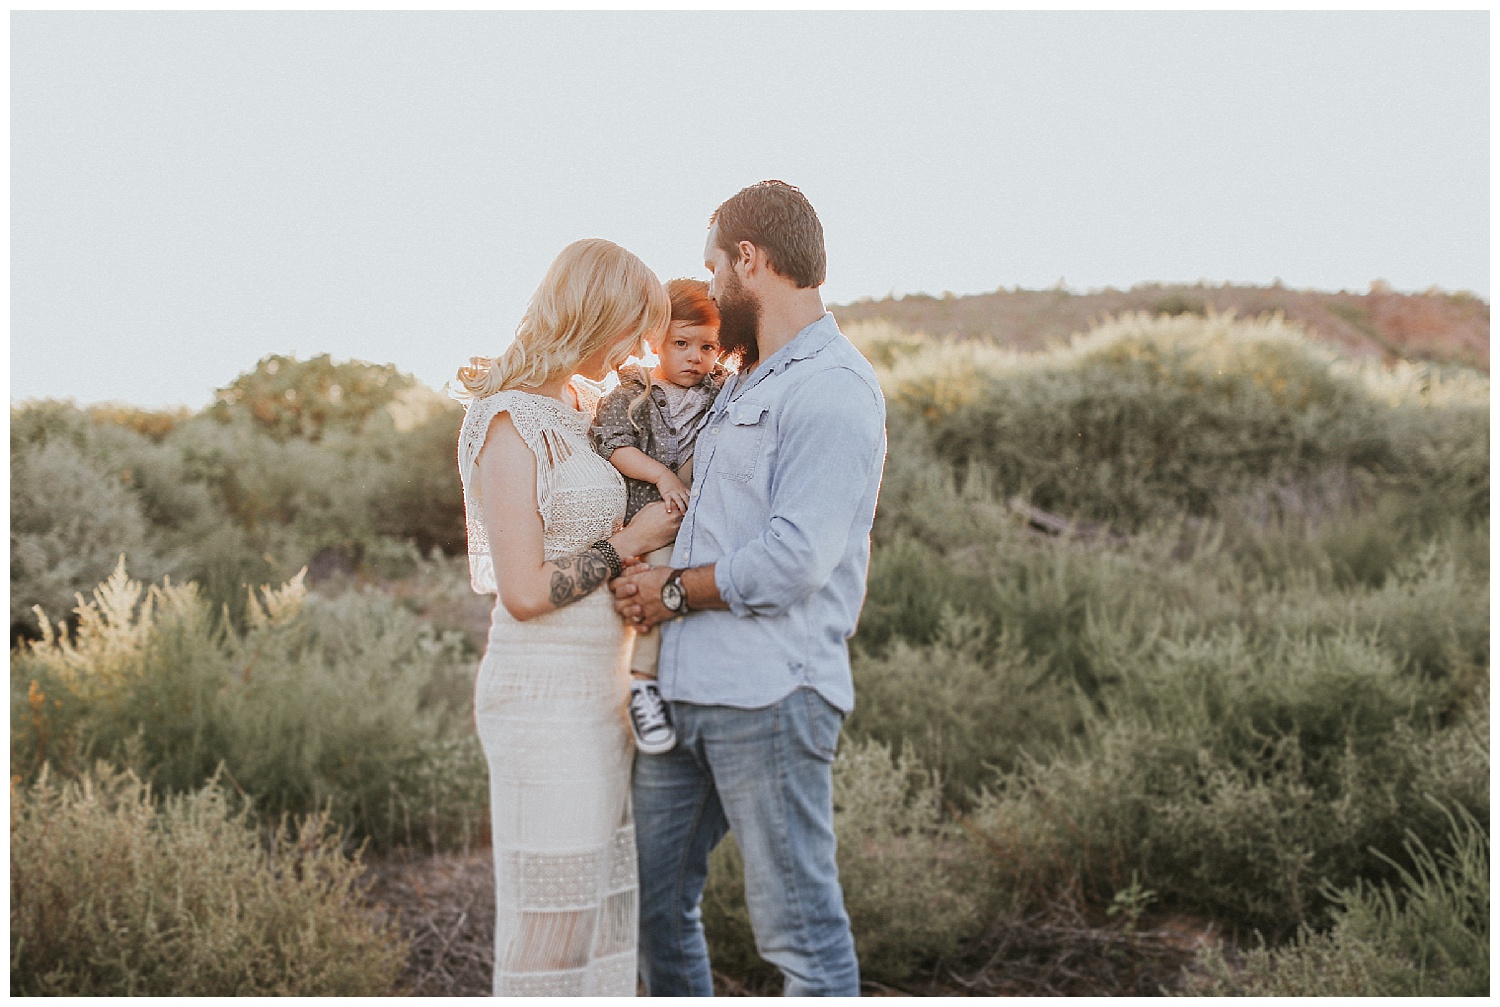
<point x="638" y="595"/>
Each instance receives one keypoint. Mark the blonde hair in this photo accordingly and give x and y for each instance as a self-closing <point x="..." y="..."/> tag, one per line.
<point x="594" y="293"/>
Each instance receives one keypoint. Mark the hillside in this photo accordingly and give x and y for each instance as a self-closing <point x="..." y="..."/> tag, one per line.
<point x="1438" y="327"/>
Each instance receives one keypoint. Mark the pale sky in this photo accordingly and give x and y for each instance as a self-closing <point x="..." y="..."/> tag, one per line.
<point x="193" y="191"/>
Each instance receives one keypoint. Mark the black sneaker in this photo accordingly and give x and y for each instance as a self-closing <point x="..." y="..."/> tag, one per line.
<point x="649" y="720"/>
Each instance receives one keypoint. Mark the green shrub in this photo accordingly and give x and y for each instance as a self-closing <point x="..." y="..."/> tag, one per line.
<point x="1330" y="694"/>
<point x="1452" y="766"/>
<point x="963" y="705"/>
<point x="344" y="703"/>
<point x="354" y="493"/>
<point x="1431" y="612"/>
<point x="421" y="498"/>
<point x="177" y="508"/>
<point x="358" y="703"/>
<point x="1274" y="688"/>
<point x="229" y="503"/>
<point x="114" y="893"/>
<point x="1178" y="304"/>
<point x="1048" y="600"/>
<point x="70" y="523"/>
<point x="1247" y="836"/>
<point x="1236" y="777"/>
<point x="318" y="492"/>
<point x="909" y="589"/>
<point x="922" y="497"/>
<point x="1429" y="936"/>
<point x="1151" y="416"/>
<point x="1145" y="418"/>
<point x="909" y="885"/>
<point x="42" y="421"/>
<point x="1451" y="454"/>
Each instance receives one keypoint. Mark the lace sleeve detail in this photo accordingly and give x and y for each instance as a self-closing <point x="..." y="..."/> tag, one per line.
<point x="545" y="442"/>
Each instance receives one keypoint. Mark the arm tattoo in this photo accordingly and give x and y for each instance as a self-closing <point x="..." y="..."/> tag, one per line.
<point x="577" y="576"/>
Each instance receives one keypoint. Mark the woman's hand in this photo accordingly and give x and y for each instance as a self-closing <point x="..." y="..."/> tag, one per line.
<point x="653" y="526"/>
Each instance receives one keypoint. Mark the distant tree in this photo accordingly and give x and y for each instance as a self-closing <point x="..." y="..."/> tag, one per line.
<point x="154" y="424"/>
<point x="287" y="397"/>
<point x="43" y="421"/>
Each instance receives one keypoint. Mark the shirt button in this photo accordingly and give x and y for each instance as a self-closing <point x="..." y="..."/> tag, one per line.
<point x="714" y="431"/>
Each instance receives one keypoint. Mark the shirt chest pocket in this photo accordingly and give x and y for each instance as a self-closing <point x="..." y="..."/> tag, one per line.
<point x="739" y="437"/>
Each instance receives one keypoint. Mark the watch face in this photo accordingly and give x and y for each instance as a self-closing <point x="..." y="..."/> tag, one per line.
<point x="671" y="595"/>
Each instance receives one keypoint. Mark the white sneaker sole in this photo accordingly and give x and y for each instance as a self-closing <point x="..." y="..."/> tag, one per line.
<point x="657" y="748"/>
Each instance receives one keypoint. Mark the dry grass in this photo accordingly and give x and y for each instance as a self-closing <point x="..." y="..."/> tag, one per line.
<point x="118" y="892"/>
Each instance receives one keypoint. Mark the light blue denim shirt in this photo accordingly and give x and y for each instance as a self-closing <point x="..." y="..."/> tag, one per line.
<point x="785" y="474"/>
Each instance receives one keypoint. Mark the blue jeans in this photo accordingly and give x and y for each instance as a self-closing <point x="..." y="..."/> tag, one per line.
<point x="768" y="775"/>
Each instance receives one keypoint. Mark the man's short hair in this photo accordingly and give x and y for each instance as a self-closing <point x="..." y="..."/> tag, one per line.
<point x="776" y="218"/>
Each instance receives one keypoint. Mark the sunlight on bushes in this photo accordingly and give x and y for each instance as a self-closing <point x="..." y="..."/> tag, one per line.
<point x="346" y="703"/>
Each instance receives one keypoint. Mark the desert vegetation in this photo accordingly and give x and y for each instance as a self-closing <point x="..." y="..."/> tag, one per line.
<point x="1173" y="677"/>
<point x="1437" y="327"/>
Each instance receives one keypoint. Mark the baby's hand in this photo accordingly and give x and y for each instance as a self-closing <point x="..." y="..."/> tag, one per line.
<point x="674" y="492"/>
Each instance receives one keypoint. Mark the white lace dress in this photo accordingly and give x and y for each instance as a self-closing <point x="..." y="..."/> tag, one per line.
<point x="550" y="702"/>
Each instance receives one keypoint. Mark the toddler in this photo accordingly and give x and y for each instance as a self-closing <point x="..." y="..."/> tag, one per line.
<point x="646" y="429"/>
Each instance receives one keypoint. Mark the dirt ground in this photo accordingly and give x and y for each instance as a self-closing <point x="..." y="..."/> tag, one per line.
<point x="445" y="907"/>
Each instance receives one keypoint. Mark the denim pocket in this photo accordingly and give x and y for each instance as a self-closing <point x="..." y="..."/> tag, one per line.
<point x="740" y="434"/>
<point x="823" y="724"/>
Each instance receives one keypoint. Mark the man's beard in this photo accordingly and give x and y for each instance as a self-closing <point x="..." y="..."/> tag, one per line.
<point x="739" y="322"/>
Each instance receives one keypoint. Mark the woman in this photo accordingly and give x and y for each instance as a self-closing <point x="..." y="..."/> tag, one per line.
<point x="544" y="519"/>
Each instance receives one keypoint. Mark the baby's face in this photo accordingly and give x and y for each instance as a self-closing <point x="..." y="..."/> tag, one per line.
<point x="687" y="353"/>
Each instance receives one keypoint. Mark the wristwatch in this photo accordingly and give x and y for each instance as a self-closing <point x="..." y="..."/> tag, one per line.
<point x="674" y="595"/>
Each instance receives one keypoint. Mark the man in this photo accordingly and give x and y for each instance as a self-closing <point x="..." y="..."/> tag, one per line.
<point x="764" y="590"/>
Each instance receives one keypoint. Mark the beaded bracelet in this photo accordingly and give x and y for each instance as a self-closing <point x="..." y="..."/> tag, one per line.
<point x="603" y="548"/>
